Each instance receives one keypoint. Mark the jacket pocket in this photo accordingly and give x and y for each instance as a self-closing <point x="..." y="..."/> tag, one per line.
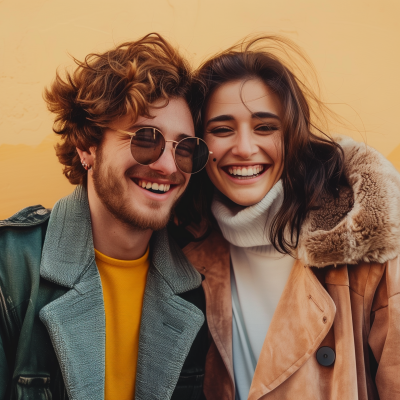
<point x="33" y="388"/>
<point x="189" y="388"/>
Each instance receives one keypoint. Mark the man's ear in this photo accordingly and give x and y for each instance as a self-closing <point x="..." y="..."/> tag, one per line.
<point x="87" y="157"/>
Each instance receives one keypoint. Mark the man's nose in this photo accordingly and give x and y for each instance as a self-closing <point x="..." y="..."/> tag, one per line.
<point x="244" y="146"/>
<point x="165" y="165"/>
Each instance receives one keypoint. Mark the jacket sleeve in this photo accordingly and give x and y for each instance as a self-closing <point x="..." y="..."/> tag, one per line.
<point x="4" y="372"/>
<point x="384" y="338"/>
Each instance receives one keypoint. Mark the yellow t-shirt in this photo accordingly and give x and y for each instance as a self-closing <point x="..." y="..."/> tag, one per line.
<point x="123" y="290"/>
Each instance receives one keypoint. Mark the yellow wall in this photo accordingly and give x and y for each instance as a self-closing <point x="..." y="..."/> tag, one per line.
<point x="354" y="45"/>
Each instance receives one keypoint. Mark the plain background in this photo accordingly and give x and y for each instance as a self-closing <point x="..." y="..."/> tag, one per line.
<point x="353" y="44"/>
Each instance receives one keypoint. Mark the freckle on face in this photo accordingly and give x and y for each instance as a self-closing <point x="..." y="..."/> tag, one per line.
<point x="247" y="145"/>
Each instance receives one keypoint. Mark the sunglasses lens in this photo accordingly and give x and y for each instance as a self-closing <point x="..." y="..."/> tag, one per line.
<point x="191" y="155"/>
<point x="147" y="145"/>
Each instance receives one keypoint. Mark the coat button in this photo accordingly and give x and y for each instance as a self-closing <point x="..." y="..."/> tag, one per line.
<point x="326" y="356"/>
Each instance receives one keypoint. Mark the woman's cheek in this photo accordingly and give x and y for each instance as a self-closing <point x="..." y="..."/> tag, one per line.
<point x="212" y="169"/>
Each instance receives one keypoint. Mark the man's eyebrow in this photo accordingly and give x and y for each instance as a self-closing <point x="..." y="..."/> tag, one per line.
<point x="131" y="128"/>
<point x="220" y="118"/>
<point x="181" y="136"/>
<point x="135" y="127"/>
<point x="138" y="126"/>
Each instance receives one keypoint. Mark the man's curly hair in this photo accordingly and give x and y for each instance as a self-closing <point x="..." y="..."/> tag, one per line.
<point x="104" y="87"/>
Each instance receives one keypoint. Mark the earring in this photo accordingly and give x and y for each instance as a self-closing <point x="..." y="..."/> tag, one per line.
<point x="86" y="166"/>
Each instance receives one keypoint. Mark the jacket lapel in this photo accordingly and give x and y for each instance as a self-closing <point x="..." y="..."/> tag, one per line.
<point x="302" y="319"/>
<point x="169" y="324"/>
<point x="211" y="258"/>
<point x="76" y="320"/>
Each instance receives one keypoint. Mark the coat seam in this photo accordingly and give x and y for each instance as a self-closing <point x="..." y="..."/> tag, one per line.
<point x="365" y="327"/>
<point x="312" y="298"/>
<point x="354" y="291"/>
<point x="381" y="308"/>
<point x="320" y="290"/>
<point x="338" y="284"/>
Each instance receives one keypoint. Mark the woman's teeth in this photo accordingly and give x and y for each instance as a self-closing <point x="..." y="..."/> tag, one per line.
<point x="153" y="186"/>
<point x="247" y="172"/>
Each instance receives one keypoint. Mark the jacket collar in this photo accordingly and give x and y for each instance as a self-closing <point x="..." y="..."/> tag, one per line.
<point x="76" y="320"/>
<point x="363" y="223"/>
<point x="172" y="265"/>
<point x="68" y="248"/>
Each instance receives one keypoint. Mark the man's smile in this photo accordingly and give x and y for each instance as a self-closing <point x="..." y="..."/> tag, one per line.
<point x="154" y="186"/>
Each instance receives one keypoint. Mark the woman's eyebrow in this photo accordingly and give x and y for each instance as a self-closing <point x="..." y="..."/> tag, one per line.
<point x="264" y="114"/>
<point x="220" y="118"/>
<point x="228" y="117"/>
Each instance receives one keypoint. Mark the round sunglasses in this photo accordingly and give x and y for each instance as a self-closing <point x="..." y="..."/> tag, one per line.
<point x="148" y="145"/>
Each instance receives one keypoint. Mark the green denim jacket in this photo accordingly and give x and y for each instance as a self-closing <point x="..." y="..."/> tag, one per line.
<point x="52" y="320"/>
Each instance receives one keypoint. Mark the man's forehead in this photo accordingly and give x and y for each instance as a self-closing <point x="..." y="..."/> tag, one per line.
<point x="174" y="118"/>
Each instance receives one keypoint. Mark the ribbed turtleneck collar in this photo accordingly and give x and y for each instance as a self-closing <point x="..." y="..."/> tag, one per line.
<point x="248" y="226"/>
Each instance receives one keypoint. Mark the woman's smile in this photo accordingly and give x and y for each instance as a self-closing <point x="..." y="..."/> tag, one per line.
<point x="244" y="172"/>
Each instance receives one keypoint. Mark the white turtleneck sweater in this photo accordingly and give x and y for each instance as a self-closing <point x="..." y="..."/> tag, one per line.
<point x="259" y="275"/>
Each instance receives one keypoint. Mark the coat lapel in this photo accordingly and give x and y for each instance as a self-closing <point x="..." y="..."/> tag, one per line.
<point x="302" y="319"/>
<point x="169" y="324"/>
<point x="211" y="258"/>
<point x="76" y="320"/>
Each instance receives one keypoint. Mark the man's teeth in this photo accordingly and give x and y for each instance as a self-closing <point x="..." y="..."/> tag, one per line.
<point x="161" y="187"/>
<point x="253" y="170"/>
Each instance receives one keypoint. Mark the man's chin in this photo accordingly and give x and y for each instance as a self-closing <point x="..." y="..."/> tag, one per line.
<point x="154" y="219"/>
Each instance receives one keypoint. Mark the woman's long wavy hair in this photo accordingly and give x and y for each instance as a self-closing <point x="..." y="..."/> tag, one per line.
<point x="109" y="85"/>
<point x="313" y="162"/>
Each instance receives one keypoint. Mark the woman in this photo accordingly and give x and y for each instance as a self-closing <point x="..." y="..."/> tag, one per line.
<point x="301" y="273"/>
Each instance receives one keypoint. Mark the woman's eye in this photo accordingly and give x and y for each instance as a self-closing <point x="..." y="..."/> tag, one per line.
<point x="221" y="130"/>
<point x="266" y="128"/>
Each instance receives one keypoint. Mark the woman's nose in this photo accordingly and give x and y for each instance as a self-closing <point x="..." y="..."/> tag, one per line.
<point x="244" y="146"/>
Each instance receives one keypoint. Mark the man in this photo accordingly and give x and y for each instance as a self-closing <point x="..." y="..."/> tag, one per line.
<point x="93" y="303"/>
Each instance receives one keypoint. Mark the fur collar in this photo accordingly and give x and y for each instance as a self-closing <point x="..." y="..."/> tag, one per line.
<point x="363" y="224"/>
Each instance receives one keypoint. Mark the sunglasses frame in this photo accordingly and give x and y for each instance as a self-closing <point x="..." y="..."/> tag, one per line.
<point x="175" y="144"/>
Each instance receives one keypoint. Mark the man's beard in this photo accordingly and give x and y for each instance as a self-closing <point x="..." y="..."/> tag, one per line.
<point x="111" y="192"/>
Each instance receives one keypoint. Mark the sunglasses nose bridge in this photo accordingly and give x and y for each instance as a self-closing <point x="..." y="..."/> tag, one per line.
<point x="164" y="148"/>
<point x="174" y="142"/>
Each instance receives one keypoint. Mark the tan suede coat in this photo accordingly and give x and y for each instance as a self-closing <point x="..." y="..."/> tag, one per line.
<point x="343" y="292"/>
